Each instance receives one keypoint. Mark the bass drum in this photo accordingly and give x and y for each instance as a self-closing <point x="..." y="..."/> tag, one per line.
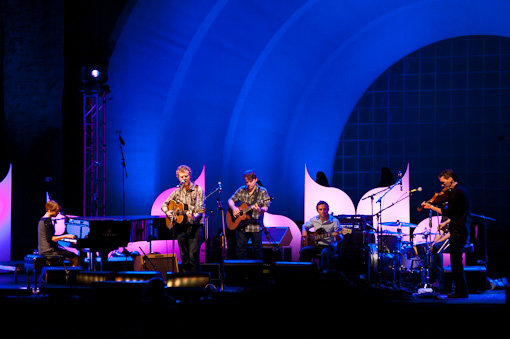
<point x="383" y="268"/>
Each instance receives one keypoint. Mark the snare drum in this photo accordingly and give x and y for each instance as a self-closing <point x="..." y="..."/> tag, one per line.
<point x="417" y="251"/>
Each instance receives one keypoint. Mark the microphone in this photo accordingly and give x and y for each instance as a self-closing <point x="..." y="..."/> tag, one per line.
<point x="181" y="183"/>
<point x="419" y="189"/>
<point x="219" y="185"/>
<point x="120" y="138"/>
<point x="400" y="179"/>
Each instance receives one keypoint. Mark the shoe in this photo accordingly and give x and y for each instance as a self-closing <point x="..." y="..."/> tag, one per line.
<point x="457" y="296"/>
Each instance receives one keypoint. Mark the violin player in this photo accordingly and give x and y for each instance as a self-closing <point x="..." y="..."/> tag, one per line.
<point x="458" y="210"/>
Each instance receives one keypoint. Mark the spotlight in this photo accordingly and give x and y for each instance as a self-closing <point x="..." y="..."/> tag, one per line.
<point x="94" y="74"/>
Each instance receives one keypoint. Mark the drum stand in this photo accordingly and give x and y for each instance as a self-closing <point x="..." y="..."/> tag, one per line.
<point x="425" y="284"/>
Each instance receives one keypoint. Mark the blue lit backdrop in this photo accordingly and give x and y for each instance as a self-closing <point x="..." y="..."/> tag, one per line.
<point x="263" y="85"/>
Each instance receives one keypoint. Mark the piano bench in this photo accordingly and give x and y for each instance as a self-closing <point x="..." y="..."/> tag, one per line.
<point x="35" y="263"/>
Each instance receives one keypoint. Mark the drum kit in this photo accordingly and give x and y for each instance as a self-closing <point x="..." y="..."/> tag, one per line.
<point x="393" y="260"/>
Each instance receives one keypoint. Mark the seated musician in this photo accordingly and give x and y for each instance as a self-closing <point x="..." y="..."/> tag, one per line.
<point x="48" y="241"/>
<point x="190" y="232"/>
<point x="324" y="223"/>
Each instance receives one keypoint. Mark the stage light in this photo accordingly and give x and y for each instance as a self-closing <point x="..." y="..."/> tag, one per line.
<point x="94" y="74"/>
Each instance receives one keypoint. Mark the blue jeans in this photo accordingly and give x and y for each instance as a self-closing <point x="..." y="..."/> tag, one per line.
<point x="327" y="252"/>
<point x="189" y="238"/>
<point x="242" y="244"/>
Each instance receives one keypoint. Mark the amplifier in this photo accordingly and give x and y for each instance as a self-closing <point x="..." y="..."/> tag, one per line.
<point x="162" y="263"/>
<point x="355" y="222"/>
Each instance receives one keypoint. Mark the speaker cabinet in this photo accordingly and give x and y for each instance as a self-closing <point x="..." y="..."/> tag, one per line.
<point x="162" y="263"/>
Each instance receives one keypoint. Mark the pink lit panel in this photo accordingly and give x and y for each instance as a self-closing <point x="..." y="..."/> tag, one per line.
<point x="339" y="202"/>
<point x="167" y="246"/>
<point x="396" y="200"/>
<point x="5" y="216"/>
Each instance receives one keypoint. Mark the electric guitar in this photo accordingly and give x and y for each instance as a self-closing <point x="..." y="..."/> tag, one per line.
<point x="233" y="222"/>
<point x="179" y="213"/>
<point x="313" y="237"/>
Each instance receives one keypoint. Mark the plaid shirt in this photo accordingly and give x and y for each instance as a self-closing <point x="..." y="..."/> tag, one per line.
<point x="193" y="199"/>
<point x="255" y="222"/>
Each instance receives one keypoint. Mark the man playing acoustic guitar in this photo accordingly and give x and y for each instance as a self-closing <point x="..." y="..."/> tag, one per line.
<point x="190" y="230"/>
<point x="251" y="227"/>
<point x="328" y="229"/>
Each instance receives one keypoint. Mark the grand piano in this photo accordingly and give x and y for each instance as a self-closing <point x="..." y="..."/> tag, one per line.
<point x="104" y="234"/>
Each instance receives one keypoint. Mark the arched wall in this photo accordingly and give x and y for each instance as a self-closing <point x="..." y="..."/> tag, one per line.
<point x="260" y="85"/>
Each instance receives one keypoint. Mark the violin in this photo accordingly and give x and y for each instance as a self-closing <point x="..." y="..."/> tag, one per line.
<point x="438" y="197"/>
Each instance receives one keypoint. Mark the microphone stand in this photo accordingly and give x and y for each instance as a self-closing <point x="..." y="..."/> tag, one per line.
<point x="146" y="258"/>
<point x="379" y="227"/>
<point x="124" y="173"/>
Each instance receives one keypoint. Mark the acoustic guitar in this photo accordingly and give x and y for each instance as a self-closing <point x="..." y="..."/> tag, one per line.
<point x="314" y="237"/>
<point x="179" y="213"/>
<point x="244" y="209"/>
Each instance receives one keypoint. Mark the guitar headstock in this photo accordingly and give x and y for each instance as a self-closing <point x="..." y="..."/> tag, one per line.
<point x="267" y="199"/>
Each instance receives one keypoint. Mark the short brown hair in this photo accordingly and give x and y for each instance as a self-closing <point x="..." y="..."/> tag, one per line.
<point x="447" y="174"/>
<point x="322" y="202"/>
<point x="250" y="175"/>
<point x="52" y="205"/>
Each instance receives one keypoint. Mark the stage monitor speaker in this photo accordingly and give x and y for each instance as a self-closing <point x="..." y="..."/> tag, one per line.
<point x="243" y="272"/>
<point x="280" y="235"/>
<point x="188" y="280"/>
<point x="162" y="263"/>
<point x="89" y="277"/>
<point x="57" y="275"/>
<point x="137" y="276"/>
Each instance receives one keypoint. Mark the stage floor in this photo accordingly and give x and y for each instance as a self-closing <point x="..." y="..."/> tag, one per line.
<point x="274" y="308"/>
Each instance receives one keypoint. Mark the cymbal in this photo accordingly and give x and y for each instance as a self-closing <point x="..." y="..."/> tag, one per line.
<point x="426" y="233"/>
<point x="385" y="232"/>
<point x="398" y="224"/>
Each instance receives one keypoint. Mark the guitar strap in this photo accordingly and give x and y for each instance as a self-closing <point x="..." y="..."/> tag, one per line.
<point x="257" y="201"/>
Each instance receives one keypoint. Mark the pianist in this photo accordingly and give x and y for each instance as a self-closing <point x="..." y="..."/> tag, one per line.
<point x="48" y="240"/>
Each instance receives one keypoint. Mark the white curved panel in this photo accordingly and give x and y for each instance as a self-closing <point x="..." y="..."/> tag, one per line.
<point x="339" y="202"/>
<point x="394" y="205"/>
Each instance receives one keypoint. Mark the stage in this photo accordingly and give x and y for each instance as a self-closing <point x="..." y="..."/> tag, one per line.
<point x="275" y="304"/>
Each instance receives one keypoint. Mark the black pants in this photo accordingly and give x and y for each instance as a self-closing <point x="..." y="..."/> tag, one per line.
<point x="457" y="243"/>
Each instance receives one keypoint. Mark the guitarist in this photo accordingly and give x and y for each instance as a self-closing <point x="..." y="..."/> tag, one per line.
<point x="327" y="247"/>
<point x="252" y="226"/>
<point x="190" y="232"/>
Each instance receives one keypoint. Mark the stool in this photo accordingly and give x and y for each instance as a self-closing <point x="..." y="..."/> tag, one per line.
<point x="35" y="263"/>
